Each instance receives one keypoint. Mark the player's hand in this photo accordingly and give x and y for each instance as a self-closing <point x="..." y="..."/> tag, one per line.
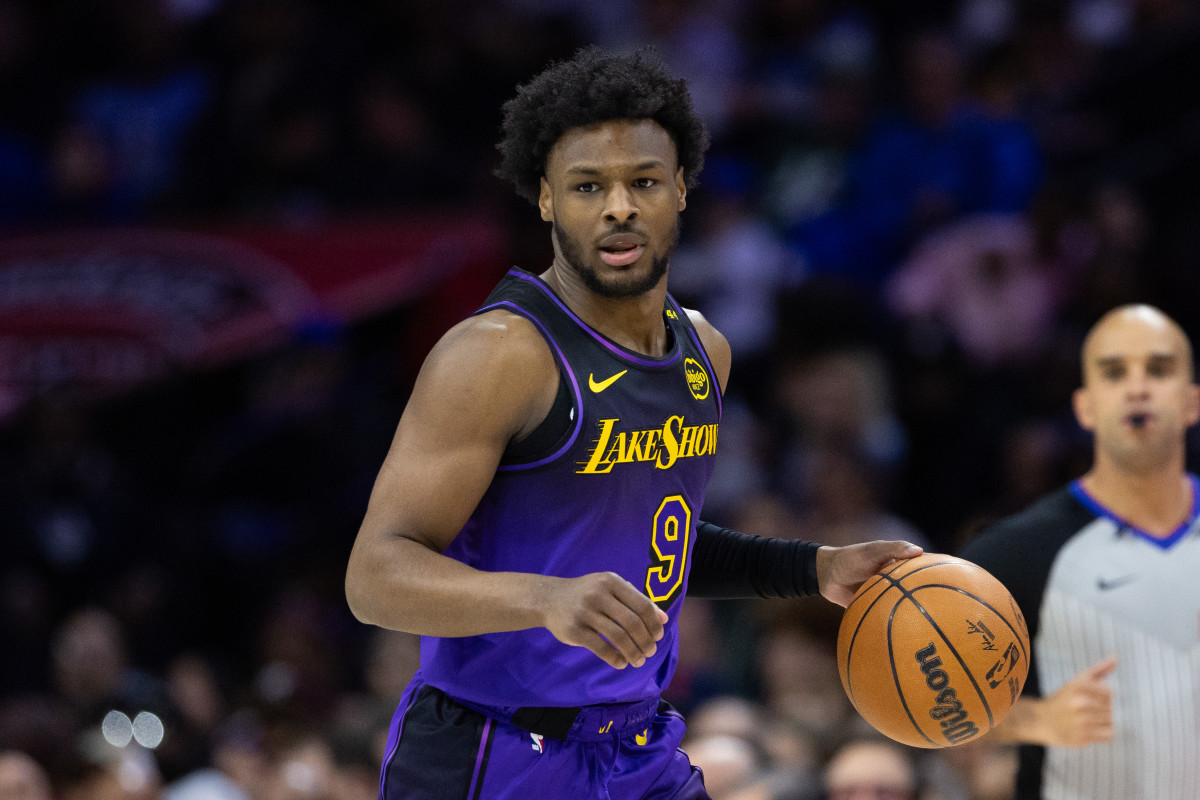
<point x="606" y="614"/>
<point x="841" y="570"/>
<point x="1079" y="713"/>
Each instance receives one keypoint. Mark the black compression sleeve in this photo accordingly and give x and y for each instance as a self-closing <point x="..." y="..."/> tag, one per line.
<point x="728" y="565"/>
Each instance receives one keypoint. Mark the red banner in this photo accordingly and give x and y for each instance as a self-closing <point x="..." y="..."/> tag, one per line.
<point x="106" y="309"/>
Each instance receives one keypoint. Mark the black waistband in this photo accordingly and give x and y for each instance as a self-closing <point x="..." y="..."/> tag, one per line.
<point x="552" y="722"/>
<point x="577" y="723"/>
<point x="589" y="723"/>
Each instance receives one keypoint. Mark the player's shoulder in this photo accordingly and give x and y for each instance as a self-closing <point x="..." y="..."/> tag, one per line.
<point x="497" y="344"/>
<point x="497" y="328"/>
<point x="715" y="343"/>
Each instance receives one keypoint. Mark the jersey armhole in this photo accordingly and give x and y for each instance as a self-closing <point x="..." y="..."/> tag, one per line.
<point x="544" y="440"/>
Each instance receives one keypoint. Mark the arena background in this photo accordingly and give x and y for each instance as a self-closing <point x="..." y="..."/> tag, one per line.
<point x="231" y="229"/>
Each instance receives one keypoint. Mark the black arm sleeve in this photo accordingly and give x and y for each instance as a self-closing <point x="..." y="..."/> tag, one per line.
<point x="730" y="565"/>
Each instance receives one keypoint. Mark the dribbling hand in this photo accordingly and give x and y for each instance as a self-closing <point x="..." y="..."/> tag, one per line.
<point x="606" y="614"/>
<point x="841" y="570"/>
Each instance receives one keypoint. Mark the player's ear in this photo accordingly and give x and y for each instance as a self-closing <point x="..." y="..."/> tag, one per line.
<point x="1193" y="404"/>
<point x="681" y="187"/>
<point x="1081" y="403"/>
<point x="545" y="201"/>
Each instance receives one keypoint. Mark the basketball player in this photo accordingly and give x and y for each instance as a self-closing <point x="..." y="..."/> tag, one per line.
<point x="536" y="520"/>
<point x="1105" y="573"/>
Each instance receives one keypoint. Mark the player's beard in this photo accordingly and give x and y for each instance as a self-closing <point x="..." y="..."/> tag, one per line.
<point x="621" y="285"/>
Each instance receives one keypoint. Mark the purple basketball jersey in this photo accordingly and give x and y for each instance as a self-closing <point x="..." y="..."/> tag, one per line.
<point x="621" y="493"/>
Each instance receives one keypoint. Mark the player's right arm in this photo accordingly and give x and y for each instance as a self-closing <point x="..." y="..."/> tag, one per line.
<point x="490" y="380"/>
<point x="1077" y="714"/>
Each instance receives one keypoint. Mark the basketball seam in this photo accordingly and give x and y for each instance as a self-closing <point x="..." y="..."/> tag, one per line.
<point x="971" y="677"/>
<point x="854" y="638"/>
<point x="895" y="674"/>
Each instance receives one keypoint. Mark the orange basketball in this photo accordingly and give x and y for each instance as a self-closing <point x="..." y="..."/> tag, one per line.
<point x="933" y="651"/>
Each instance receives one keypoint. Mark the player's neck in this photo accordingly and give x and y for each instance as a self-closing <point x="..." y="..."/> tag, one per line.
<point x="635" y="322"/>
<point x="1156" y="502"/>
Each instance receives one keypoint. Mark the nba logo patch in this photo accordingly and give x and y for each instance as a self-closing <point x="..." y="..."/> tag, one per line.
<point x="537" y="742"/>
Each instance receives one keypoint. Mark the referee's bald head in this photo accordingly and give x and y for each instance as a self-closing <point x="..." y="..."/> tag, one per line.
<point x="1128" y="317"/>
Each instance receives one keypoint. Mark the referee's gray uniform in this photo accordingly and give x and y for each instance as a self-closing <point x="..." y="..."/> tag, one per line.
<point x="1091" y="585"/>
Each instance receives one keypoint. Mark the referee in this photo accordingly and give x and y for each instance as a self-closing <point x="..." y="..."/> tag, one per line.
<point x="1105" y="571"/>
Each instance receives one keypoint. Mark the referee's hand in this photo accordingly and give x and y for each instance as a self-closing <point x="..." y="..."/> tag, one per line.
<point x="1079" y="713"/>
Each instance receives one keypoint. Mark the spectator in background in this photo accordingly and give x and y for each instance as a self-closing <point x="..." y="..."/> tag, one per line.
<point x="22" y="778"/>
<point x="808" y="170"/>
<point x="92" y="673"/>
<point x="837" y="399"/>
<point x="797" y="675"/>
<point x="872" y="769"/>
<point x="104" y="771"/>
<point x="735" y="263"/>
<point x="238" y="764"/>
<point x="727" y="761"/>
<point x="983" y="280"/>
<point x="698" y="40"/>
<point x="844" y="500"/>
<point x="777" y="784"/>
<point x="73" y="513"/>
<point x="135" y="117"/>
<point x="919" y="168"/>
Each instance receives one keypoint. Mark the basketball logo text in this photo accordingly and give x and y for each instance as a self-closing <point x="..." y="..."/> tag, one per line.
<point x="989" y="639"/>
<point x="948" y="709"/>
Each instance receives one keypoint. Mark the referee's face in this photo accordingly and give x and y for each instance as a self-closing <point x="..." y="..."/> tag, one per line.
<point x="1138" y="395"/>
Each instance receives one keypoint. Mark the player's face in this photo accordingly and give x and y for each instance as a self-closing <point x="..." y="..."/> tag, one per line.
<point x="1138" y="395"/>
<point x="614" y="191"/>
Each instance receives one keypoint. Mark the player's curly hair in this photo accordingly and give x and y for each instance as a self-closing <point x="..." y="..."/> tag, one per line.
<point x="595" y="86"/>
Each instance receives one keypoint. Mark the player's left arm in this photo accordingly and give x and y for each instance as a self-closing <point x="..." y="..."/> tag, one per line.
<point x="729" y="564"/>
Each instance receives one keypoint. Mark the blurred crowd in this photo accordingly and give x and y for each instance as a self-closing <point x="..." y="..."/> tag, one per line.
<point x="911" y="213"/>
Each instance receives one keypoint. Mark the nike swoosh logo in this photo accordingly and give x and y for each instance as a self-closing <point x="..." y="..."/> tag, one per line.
<point x="1105" y="584"/>
<point x="604" y="384"/>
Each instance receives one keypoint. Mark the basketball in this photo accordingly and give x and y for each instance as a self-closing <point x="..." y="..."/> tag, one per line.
<point x="933" y="651"/>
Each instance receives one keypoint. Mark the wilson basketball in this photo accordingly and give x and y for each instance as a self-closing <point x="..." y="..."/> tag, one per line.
<point x="933" y="651"/>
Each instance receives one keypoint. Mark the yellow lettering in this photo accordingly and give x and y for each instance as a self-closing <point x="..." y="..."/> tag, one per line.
<point x="634" y="451"/>
<point x="652" y="438"/>
<point x="687" y="442"/>
<point x="670" y="442"/>
<point x="663" y="446"/>
<point x="597" y="459"/>
<point x="616" y="451"/>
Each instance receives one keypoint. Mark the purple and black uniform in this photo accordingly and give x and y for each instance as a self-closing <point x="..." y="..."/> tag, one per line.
<point x="617" y="487"/>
